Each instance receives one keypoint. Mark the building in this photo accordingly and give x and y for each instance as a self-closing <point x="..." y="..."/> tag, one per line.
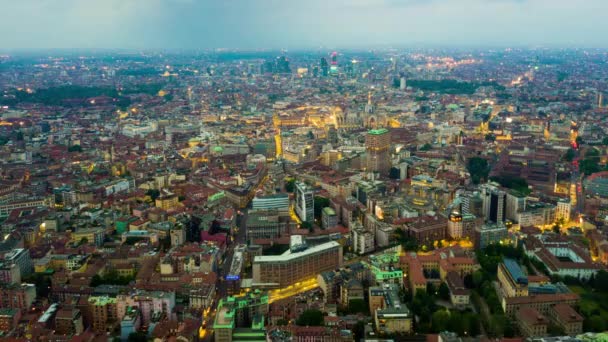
<point x="563" y="209"/>
<point x="489" y="233"/>
<point x="130" y="323"/>
<point x="17" y="296"/>
<point x="427" y="229"/>
<point x="147" y="302"/>
<point x="516" y="203"/>
<point x="390" y="315"/>
<point x="266" y="224"/>
<point x="10" y="273"/>
<point x="513" y="281"/>
<point x="298" y="263"/>
<point x="9" y="319"/>
<point x="562" y="256"/>
<point x="494" y="200"/>
<point x="363" y="241"/>
<point x="241" y="317"/>
<point x="459" y="294"/>
<point x="89" y="235"/>
<point x="21" y="258"/>
<point x="565" y="316"/>
<point x="531" y="323"/>
<point x="104" y="314"/>
<point x="377" y="145"/>
<point x="329" y="218"/>
<point x="540" y="302"/>
<point x="279" y="202"/>
<point x="305" y="202"/>
<point x="537" y="214"/>
<point x="463" y="226"/>
<point x="68" y="321"/>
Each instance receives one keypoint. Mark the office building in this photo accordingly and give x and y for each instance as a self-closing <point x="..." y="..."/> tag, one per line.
<point x="377" y="145"/>
<point x="489" y="233"/>
<point x="21" y="258"/>
<point x="241" y="317"/>
<point x="266" y="224"/>
<point x="103" y="311"/>
<point x="363" y="241"/>
<point x="305" y="202"/>
<point x="563" y="209"/>
<point x="513" y="281"/>
<point x="279" y="202"/>
<point x="298" y="263"/>
<point x="329" y="218"/>
<point x="463" y="226"/>
<point x="494" y="200"/>
<point x="390" y="315"/>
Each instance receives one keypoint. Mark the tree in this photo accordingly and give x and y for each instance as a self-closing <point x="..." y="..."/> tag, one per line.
<point x="137" y="337"/>
<point x="356" y="306"/>
<point x="75" y="148"/>
<point x="153" y="194"/>
<point x="290" y="185"/>
<point x="282" y="321"/>
<point x="556" y="229"/>
<point x="84" y="241"/>
<point x="310" y="135"/>
<point x="394" y="173"/>
<point x="594" y="323"/>
<point x="440" y="320"/>
<point x="359" y="330"/>
<point x="426" y="147"/>
<point x="490" y="137"/>
<point x="605" y="141"/>
<point x="478" y="168"/>
<point x="444" y="291"/>
<point x="307" y="225"/>
<point x="569" y="156"/>
<point x="310" y="317"/>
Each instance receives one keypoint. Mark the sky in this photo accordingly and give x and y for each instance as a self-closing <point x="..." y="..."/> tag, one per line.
<point x="301" y="24"/>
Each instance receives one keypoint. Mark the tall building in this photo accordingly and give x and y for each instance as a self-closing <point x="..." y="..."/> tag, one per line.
<point x="377" y="144"/>
<point x="324" y="66"/>
<point x="494" y="200"/>
<point x="305" y="202"/>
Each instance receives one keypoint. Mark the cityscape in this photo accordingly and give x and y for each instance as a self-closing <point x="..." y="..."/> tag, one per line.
<point x="394" y="192"/>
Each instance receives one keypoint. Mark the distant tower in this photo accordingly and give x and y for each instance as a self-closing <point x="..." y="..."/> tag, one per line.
<point x="333" y="69"/>
<point x="369" y="107"/>
<point x="600" y="100"/>
<point x="377" y="145"/>
<point x="403" y="83"/>
<point x="324" y="66"/>
<point x="112" y="154"/>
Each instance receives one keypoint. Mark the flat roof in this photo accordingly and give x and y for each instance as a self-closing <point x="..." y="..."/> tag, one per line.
<point x="289" y="255"/>
<point x="378" y="131"/>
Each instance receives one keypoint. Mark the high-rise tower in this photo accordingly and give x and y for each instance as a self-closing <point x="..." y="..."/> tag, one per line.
<point x="377" y="144"/>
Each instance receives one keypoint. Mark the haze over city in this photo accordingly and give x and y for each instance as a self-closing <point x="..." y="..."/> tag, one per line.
<point x="299" y="24"/>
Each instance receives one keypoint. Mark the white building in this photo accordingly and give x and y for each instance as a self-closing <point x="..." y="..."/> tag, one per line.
<point x="563" y="209"/>
<point x="363" y="240"/>
<point x="305" y="202"/>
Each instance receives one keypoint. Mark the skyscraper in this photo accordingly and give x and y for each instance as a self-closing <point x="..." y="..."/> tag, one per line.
<point x="494" y="201"/>
<point x="377" y="144"/>
<point x="305" y="203"/>
<point x="324" y="66"/>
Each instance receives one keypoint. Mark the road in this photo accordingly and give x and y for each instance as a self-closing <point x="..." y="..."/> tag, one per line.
<point x="222" y="285"/>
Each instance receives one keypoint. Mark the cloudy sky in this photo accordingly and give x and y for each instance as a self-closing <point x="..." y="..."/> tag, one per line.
<point x="296" y="24"/>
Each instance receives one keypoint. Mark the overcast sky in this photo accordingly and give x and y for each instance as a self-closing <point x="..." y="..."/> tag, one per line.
<point x="294" y="24"/>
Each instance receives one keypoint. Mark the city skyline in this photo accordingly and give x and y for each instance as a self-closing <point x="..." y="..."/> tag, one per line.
<point x="271" y="24"/>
